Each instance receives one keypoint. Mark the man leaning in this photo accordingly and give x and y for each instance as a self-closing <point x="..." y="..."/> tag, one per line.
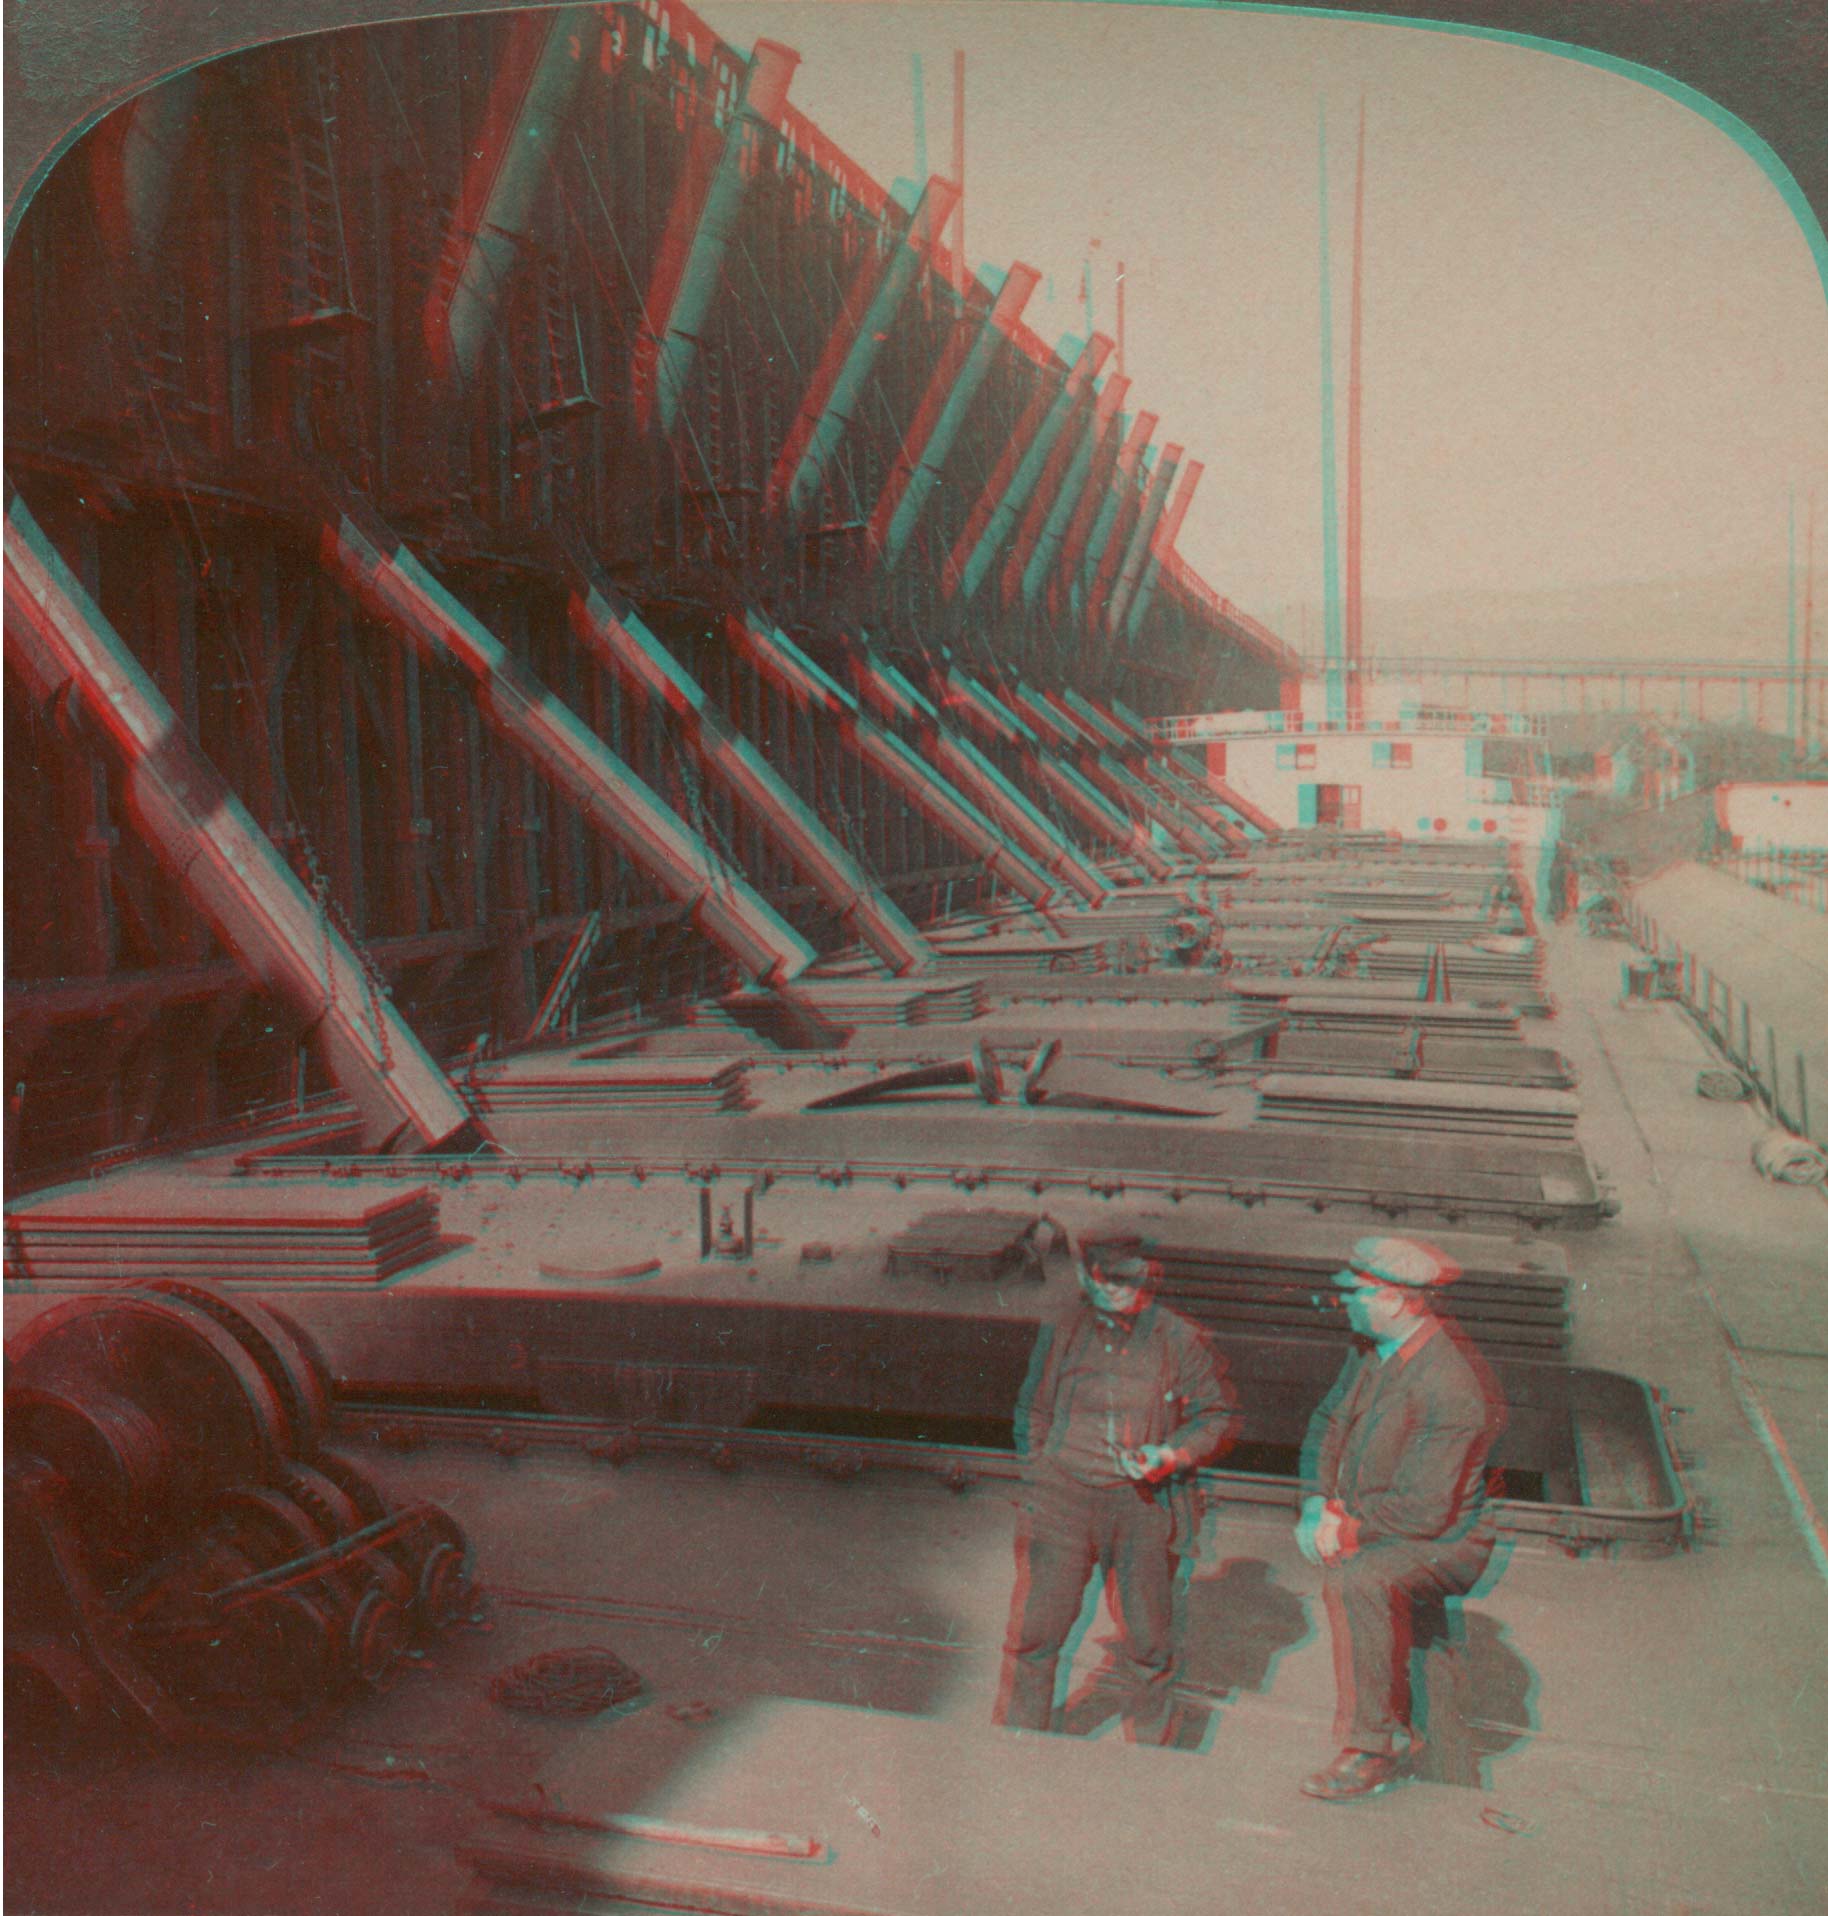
<point x="1399" y="1519"/>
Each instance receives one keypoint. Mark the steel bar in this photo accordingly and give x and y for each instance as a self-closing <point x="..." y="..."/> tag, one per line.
<point x="961" y="370"/>
<point x="961" y="762"/>
<point x="612" y="631"/>
<point x="387" y="579"/>
<point x="788" y="668"/>
<point x="283" y="939"/>
<point x="850" y="355"/>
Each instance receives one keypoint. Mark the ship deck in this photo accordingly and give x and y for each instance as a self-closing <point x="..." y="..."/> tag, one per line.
<point x="821" y="1658"/>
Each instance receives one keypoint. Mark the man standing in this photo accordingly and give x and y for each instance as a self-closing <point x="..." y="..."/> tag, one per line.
<point x="1126" y="1402"/>
<point x="1399" y="1519"/>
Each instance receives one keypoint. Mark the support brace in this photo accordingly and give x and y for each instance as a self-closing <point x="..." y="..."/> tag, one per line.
<point x="787" y="667"/>
<point x="611" y="630"/>
<point x="397" y="589"/>
<point x="205" y="837"/>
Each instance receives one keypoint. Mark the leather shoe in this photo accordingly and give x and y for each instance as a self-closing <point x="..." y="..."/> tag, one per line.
<point x="1352" y="1773"/>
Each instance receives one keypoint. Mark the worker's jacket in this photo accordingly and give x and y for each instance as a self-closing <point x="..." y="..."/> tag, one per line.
<point x="1401" y="1442"/>
<point x="1170" y="1390"/>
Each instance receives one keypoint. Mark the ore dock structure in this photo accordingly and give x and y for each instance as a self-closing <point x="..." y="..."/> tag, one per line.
<point x="614" y="783"/>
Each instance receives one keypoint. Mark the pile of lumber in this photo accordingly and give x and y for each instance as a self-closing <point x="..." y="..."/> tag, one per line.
<point x="1417" y="1104"/>
<point x="614" y="1084"/>
<point x="228" y="1230"/>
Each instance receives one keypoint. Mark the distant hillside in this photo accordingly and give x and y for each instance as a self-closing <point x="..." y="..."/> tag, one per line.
<point x="1738" y="614"/>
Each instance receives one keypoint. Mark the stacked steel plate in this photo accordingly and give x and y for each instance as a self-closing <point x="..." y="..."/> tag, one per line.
<point x="861" y="1002"/>
<point x="229" y="1229"/>
<point x="1275" y="1280"/>
<point x="1411" y="1053"/>
<point x="1417" y="1105"/>
<point x="614" y="1084"/>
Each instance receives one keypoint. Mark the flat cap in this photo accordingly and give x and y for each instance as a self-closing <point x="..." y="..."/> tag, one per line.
<point x="1403" y="1260"/>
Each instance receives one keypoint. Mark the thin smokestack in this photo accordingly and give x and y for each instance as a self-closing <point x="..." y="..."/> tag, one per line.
<point x="960" y="269"/>
<point x="1355" y="603"/>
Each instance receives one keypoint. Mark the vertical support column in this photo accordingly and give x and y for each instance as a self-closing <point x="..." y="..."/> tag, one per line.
<point x="1329" y="477"/>
<point x="941" y="412"/>
<point x="850" y="355"/>
<point x="1355" y="609"/>
<point x="686" y="277"/>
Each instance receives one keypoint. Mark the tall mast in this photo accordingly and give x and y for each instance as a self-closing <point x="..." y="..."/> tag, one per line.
<point x="961" y="272"/>
<point x="920" y="127"/>
<point x="1329" y="480"/>
<point x="1808" y="616"/>
<point x="1355" y="604"/>
<point x="1790" y="700"/>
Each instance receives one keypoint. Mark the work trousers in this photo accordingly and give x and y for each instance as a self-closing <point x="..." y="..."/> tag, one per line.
<point x="1383" y="1602"/>
<point x="1073" y="1531"/>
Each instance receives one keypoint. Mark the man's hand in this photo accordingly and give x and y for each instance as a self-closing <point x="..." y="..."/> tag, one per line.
<point x="1323" y="1534"/>
<point x="1149" y="1463"/>
<point x="1307" y="1528"/>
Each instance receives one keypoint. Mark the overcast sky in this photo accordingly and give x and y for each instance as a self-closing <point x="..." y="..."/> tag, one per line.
<point x="1596" y="348"/>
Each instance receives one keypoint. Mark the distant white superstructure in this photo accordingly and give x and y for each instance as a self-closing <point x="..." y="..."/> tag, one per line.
<point x="1786" y="817"/>
<point x="1411" y="769"/>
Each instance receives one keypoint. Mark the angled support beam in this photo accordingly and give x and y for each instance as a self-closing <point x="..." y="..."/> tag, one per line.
<point x="1073" y="433"/>
<point x="1093" y="450"/>
<point x="1065" y="589"/>
<point x="1096" y="721"/>
<point x="385" y="577"/>
<point x="535" y="86"/>
<point x="1024" y="464"/>
<point x="980" y="780"/>
<point x="1070" y="787"/>
<point x="611" y="631"/>
<point x="1019" y="469"/>
<point x="1092" y="573"/>
<point x="1097" y="735"/>
<point x="1136" y="550"/>
<point x="1184" y="810"/>
<point x="967" y="358"/>
<point x="281" y="937"/>
<point x="850" y="355"/>
<point x="1161" y="543"/>
<point x="691" y="260"/>
<point x="915" y="777"/>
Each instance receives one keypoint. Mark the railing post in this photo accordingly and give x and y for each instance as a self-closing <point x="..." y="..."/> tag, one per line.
<point x="1802" y="1096"/>
<point x="1777" y="1106"/>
